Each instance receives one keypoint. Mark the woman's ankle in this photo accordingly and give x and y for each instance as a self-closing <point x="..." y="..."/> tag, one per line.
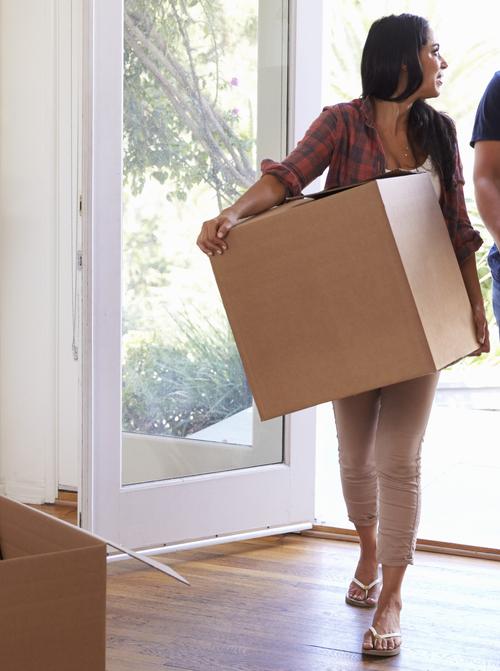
<point x="368" y="558"/>
<point x="388" y="599"/>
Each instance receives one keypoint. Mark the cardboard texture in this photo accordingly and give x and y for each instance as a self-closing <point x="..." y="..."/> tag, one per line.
<point x="52" y="593"/>
<point x="331" y="297"/>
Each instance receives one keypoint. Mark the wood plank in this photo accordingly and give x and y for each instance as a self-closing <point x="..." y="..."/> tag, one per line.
<point x="68" y="513"/>
<point x="65" y="497"/>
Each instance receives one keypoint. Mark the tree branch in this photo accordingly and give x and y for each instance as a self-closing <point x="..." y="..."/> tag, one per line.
<point x="206" y="121"/>
<point x="182" y="108"/>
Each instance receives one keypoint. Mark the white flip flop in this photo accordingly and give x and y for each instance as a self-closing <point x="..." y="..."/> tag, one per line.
<point x="382" y="637"/>
<point x="362" y="603"/>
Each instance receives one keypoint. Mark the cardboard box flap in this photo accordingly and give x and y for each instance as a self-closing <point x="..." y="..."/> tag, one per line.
<point x="38" y="533"/>
<point x="305" y="199"/>
<point x="273" y="211"/>
<point x="338" y="189"/>
<point x="25" y="531"/>
<point x="163" y="568"/>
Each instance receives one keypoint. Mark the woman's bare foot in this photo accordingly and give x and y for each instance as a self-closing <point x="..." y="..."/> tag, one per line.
<point x="385" y="620"/>
<point x="366" y="572"/>
<point x="367" y="568"/>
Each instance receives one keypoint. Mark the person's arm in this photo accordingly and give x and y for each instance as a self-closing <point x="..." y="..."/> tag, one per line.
<point x="487" y="185"/>
<point x="466" y="241"/>
<point x="261" y="196"/>
<point x="306" y="162"/>
<point x="471" y="281"/>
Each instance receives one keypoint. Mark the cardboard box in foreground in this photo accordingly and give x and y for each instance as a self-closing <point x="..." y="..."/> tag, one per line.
<point x="52" y="593"/>
<point x="331" y="297"/>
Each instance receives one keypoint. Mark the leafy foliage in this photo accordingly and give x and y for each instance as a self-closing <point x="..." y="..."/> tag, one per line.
<point x="175" y="126"/>
<point x="181" y="129"/>
<point x="146" y="271"/>
<point x="182" y="388"/>
<point x="142" y="277"/>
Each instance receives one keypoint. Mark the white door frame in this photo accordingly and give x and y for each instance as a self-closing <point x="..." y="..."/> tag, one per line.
<point x="271" y="492"/>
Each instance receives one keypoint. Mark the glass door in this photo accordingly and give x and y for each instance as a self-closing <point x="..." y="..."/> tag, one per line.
<point x="179" y="94"/>
<point x="190" y="139"/>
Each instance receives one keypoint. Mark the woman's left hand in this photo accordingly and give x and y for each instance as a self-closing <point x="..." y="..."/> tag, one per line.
<point x="482" y="333"/>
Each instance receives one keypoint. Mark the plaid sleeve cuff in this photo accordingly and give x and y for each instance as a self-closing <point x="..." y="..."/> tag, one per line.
<point x="467" y="243"/>
<point x="284" y="174"/>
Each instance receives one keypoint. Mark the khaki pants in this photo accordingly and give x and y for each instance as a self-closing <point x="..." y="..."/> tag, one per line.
<point x="380" y="435"/>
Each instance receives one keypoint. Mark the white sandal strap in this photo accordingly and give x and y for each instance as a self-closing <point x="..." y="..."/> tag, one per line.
<point x="381" y="637"/>
<point x="366" y="587"/>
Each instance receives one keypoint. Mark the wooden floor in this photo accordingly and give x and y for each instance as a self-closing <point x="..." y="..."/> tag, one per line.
<point x="64" y="511"/>
<point x="277" y="604"/>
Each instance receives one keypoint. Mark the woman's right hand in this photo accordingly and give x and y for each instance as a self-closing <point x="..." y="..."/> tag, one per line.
<point x="265" y="193"/>
<point x="211" y="239"/>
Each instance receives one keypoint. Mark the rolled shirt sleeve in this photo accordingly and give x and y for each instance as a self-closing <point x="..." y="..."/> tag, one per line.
<point x="465" y="239"/>
<point x="311" y="156"/>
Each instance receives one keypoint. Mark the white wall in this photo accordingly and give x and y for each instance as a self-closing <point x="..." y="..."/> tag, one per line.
<point x="34" y="254"/>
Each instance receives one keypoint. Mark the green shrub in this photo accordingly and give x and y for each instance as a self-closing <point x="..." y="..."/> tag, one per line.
<point x="180" y="388"/>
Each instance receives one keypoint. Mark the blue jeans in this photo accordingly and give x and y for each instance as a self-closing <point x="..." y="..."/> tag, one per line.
<point x="494" y="264"/>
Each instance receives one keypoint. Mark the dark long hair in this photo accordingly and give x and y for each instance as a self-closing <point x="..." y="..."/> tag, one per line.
<point x="394" y="41"/>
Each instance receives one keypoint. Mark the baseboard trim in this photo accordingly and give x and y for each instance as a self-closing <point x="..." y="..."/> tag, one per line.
<point x="26" y="492"/>
<point x="423" y="545"/>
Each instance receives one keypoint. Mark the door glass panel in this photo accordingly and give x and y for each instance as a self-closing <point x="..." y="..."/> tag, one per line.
<point x="190" y="103"/>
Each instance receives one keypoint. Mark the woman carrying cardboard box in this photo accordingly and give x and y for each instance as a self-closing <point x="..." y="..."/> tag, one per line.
<point x="380" y="432"/>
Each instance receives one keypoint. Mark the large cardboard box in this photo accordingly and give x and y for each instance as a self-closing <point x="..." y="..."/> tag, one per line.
<point x="52" y="593"/>
<point x="334" y="296"/>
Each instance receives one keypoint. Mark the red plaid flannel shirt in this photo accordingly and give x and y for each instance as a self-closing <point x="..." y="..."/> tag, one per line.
<point x="344" y="139"/>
